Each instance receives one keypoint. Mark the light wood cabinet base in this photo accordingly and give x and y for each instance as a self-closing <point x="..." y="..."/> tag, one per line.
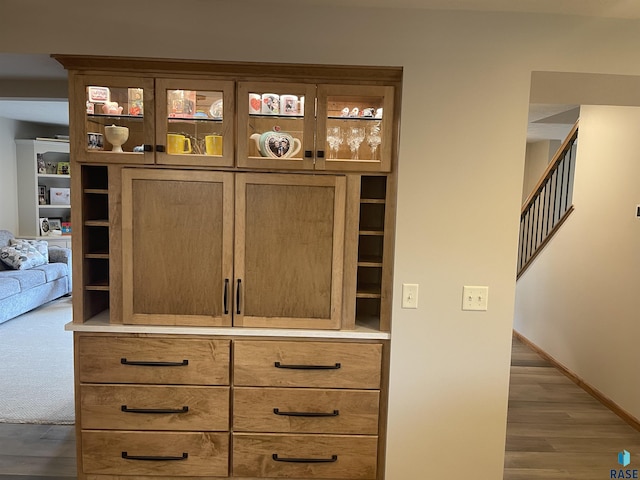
<point x="305" y="456"/>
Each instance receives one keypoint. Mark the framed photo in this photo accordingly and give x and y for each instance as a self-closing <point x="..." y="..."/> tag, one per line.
<point x="42" y="195"/>
<point x="55" y="224"/>
<point x="59" y="196"/>
<point x="63" y="168"/>
<point x="45" y="228"/>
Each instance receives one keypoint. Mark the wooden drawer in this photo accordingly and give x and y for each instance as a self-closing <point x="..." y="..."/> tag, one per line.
<point x="172" y="361"/>
<point x="155" y="453"/>
<point x="304" y="456"/>
<point x="307" y="364"/>
<point x="153" y="407"/>
<point x="307" y="410"/>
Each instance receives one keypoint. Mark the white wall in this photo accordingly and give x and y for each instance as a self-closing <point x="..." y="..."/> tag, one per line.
<point x="465" y="103"/>
<point x="9" y="131"/>
<point x="579" y="299"/>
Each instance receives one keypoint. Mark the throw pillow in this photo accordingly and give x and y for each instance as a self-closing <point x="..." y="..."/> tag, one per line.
<point x="22" y="257"/>
<point x="41" y="245"/>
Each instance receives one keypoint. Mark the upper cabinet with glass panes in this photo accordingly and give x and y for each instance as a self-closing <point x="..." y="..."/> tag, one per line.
<point x="161" y="121"/>
<point x="307" y="123"/>
<point x="309" y="126"/>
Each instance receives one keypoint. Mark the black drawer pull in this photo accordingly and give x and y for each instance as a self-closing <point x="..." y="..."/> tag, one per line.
<point x="334" y="458"/>
<point x="308" y="367"/>
<point x="183" y="363"/>
<point x="126" y="409"/>
<point x="126" y="456"/>
<point x="335" y="413"/>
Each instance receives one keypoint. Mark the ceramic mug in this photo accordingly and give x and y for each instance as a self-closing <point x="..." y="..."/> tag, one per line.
<point x="289" y="105"/>
<point x="255" y="104"/>
<point x="177" y="144"/>
<point x="270" y="104"/>
<point x="213" y="144"/>
<point x="95" y="141"/>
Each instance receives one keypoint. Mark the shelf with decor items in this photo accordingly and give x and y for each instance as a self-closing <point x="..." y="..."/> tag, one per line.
<point x="197" y="258"/>
<point x="315" y="126"/>
<point x="43" y="172"/>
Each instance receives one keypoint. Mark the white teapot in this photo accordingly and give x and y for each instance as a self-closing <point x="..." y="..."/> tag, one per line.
<point x="276" y="144"/>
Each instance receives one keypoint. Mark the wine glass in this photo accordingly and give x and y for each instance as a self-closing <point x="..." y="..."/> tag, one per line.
<point x="355" y="137"/>
<point x="374" y="139"/>
<point x="334" y="139"/>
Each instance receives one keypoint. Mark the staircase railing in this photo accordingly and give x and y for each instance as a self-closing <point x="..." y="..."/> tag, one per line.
<point x="549" y="204"/>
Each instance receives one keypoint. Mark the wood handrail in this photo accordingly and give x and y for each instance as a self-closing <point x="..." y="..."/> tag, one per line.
<point x="557" y="158"/>
<point x="549" y="204"/>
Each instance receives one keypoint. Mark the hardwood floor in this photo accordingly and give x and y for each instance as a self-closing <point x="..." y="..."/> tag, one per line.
<point x="37" y="452"/>
<point x="555" y="430"/>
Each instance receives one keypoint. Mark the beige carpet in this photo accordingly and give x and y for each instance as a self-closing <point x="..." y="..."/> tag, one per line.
<point x="36" y="366"/>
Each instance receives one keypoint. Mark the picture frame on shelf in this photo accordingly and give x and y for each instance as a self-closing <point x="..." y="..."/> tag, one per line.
<point x="59" y="196"/>
<point x="55" y="224"/>
<point x="42" y="195"/>
<point x="45" y="227"/>
<point x="63" y="168"/>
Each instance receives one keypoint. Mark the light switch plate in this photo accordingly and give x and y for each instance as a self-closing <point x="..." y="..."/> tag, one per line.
<point x="409" y="295"/>
<point x="475" y="298"/>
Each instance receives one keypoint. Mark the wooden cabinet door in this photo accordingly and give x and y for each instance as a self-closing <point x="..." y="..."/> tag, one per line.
<point x="289" y="250"/>
<point x="177" y="238"/>
<point x="101" y="101"/>
<point x="195" y="122"/>
<point x="359" y="122"/>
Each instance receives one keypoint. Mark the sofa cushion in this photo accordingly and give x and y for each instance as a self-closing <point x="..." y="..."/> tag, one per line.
<point x="22" y="257"/>
<point x="41" y="246"/>
<point x="53" y="271"/>
<point x="8" y="286"/>
<point x="27" y="278"/>
<point x="5" y="238"/>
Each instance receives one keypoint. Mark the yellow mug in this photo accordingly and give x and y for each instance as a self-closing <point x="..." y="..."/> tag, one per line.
<point x="177" y="144"/>
<point x="213" y="144"/>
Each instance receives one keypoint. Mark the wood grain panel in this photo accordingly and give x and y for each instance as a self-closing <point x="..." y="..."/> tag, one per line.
<point x="206" y="453"/>
<point x="355" y="456"/>
<point x="289" y="250"/>
<point x="120" y="407"/>
<point x="292" y="410"/>
<point x="358" y="364"/>
<point x="100" y="360"/>
<point x="177" y="240"/>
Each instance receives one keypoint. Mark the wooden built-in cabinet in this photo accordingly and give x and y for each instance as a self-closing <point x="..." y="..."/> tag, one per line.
<point x="232" y="309"/>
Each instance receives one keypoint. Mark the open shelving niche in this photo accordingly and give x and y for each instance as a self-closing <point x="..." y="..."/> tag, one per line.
<point x="95" y="239"/>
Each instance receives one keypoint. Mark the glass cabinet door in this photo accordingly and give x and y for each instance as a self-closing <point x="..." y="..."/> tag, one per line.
<point x="276" y="125"/>
<point x="354" y="127"/>
<point x="117" y="119"/>
<point x="194" y="123"/>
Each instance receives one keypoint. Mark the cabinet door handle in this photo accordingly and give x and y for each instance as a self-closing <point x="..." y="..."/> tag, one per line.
<point x="183" y="363"/>
<point x="308" y="154"/>
<point x="334" y="458"/>
<point x="147" y="148"/>
<point x="238" y="297"/>
<point x="226" y="296"/>
<point x="320" y="154"/>
<point x="335" y="413"/>
<point x="308" y="367"/>
<point x="126" y="409"/>
<point x="126" y="456"/>
<point x="160" y="148"/>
